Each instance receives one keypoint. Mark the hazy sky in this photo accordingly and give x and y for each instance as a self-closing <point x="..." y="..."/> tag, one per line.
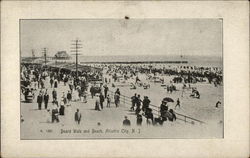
<point x="124" y="37"/>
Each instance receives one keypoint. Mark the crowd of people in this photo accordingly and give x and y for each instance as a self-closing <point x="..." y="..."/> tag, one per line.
<point x="144" y="108"/>
<point x="35" y="77"/>
<point x="187" y="74"/>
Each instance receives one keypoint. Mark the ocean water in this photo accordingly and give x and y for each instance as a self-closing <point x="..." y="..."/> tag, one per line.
<point x="210" y="61"/>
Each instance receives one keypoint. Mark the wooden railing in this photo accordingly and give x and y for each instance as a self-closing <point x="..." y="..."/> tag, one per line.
<point x="156" y="110"/>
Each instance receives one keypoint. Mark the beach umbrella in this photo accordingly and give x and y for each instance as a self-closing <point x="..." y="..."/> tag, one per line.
<point x="167" y="99"/>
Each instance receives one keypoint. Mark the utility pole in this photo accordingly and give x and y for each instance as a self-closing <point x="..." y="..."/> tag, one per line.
<point x="44" y="51"/>
<point x="55" y="59"/>
<point x="76" y="49"/>
<point x="33" y="55"/>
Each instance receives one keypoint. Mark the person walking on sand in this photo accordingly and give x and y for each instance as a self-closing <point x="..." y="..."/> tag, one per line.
<point x="46" y="99"/>
<point x="39" y="100"/>
<point x="178" y="103"/>
<point x="78" y="116"/>
<point x="101" y="100"/>
<point x="92" y="91"/>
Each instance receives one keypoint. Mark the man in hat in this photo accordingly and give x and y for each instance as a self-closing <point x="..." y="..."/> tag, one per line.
<point x="39" y="100"/>
<point x="101" y="100"/>
<point x="92" y="91"/>
<point x="46" y="99"/>
<point x="126" y="122"/>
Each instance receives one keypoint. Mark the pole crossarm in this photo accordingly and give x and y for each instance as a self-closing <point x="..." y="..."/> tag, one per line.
<point x="75" y="48"/>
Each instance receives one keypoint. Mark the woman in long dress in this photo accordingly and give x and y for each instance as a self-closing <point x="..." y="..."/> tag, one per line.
<point x="54" y="113"/>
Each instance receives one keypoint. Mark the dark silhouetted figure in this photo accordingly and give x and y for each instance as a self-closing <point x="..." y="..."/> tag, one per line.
<point x="78" y="116"/>
<point x="126" y="122"/>
<point x="39" y="101"/>
<point x="46" y="100"/>
<point x="139" y="120"/>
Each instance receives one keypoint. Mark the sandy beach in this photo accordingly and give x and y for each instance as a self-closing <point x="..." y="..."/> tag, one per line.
<point x="37" y="123"/>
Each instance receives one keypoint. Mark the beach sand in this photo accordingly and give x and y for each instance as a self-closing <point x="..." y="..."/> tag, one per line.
<point x="36" y="125"/>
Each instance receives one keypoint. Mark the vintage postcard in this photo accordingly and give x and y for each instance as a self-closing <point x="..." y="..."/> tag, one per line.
<point x="121" y="78"/>
<point x="124" y="79"/>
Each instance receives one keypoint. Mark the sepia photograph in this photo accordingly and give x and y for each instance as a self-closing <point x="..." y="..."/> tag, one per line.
<point x="121" y="78"/>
